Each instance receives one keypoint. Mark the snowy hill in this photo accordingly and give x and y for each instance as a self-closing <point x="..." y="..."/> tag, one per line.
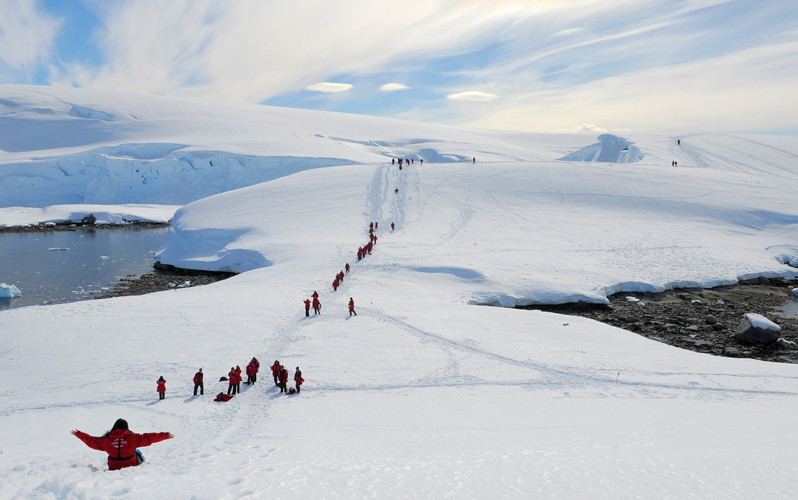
<point x="423" y="394"/>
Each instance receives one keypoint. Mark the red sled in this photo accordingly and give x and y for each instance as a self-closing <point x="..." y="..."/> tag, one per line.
<point x="222" y="397"/>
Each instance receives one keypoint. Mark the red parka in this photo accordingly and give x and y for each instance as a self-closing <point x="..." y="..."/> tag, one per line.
<point x="121" y="445"/>
<point x="275" y="367"/>
<point x="284" y="376"/>
<point x="162" y="386"/>
<point x="251" y="370"/>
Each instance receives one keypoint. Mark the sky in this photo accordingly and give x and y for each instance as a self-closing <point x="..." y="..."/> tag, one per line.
<point x="642" y="66"/>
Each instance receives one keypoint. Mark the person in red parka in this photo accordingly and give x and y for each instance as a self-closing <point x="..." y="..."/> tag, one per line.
<point x="392" y="226"/>
<point x="161" y="388"/>
<point x="256" y="363"/>
<point x="376" y="225"/>
<point x="250" y="374"/>
<point x="239" y="378"/>
<point x="121" y="444"/>
<point x="283" y="379"/>
<point x="316" y="306"/>
<point x="374" y="240"/>
<point x="276" y="373"/>
<point x="347" y="268"/>
<point x="352" y="307"/>
<point x="359" y="253"/>
<point x="335" y="285"/>
<point x="298" y="380"/>
<point x="307" y="308"/>
<point x="231" y="381"/>
<point x="341" y="276"/>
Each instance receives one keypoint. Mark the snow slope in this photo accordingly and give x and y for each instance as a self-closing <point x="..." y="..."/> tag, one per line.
<point x="423" y="394"/>
<point x="115" y="214"/>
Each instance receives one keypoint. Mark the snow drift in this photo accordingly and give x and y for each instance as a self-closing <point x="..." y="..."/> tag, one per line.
<point x="610" y="148"/>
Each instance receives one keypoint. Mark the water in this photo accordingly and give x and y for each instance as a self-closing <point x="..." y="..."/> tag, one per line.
<point x="790" y="310"/>
<point x="55" y="276"/>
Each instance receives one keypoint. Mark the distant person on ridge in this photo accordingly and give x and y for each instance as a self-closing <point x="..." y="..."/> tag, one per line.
<point x="161" y="388"/>
<point x="352" y="307"/>
<point x="298" y="378"/>
<point x="307" y="308"/>
<point x="422" y="161"/>
<point x="393" y="161"/>
<point x="679" y="142"/>
<point x="392" y="226"/>
<point x="121" y="444"/>
<point x="199" y="383"/>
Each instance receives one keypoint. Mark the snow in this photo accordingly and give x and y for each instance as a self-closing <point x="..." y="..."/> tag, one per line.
<point x="423" y="394"/>
<point x="610" y="148"/>
<point x="9" y="291"/>
<point x="759" y="321"/>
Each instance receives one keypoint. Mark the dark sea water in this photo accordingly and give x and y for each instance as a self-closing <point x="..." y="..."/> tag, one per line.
<point x="95" y="258"/>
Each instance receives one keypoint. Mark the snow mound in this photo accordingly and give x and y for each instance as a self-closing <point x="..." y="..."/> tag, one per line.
<point x="610" y="148"/>
<point x="9" y="291"/>
<point x="759" y="321"/>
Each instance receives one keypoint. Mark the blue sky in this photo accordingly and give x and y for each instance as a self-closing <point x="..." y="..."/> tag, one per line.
<point x="537" y="65"/>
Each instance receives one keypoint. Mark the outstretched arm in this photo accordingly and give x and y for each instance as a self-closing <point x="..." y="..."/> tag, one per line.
<point x="149" y="438"/>
<point x="91" y="441"/>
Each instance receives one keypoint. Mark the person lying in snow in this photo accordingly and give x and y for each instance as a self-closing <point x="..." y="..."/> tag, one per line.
<point x="222" y="397"/>
<point x="121" y="444"/>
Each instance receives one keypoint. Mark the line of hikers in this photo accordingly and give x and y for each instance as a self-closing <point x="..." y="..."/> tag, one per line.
<point x="407" y="161"/>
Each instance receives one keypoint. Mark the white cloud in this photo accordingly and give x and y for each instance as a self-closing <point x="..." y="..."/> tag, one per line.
<point x="329" y="87"/>
<point x="472" y="95"/>
<point x="390" y="87"/>
<point x="26" y="37"/>
<point x="569" y="31"/>
<point x="585" y="128"/>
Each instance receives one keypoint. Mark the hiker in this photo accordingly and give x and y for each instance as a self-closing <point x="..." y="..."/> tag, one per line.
<point x="276" y="372"/>
<point x="422" y="161"/>
<point x="347" y="268"/>
<point x="400" y="167"/>
<point x="412" y="161"/>
<point x="307" y="308"/>
<point x="199" y="383"/>
<point x="368" y="247"/>
<point x="371" y="225"/>
<point x="341" y="276"/>
<point x="257" y="368"/>
<point x="121" y="444"/>
<point x="161" y="388"/>
<point x="396" y="190"/>
<point x="283" y="379"/>
<point x="352" y="307"/>
<point x="400" y="162"/>
<point x="239" y="378"/>
<point x="316" y="306"/>
<point x="231" y="381"/>
<point x="393" y="161"/>
<point x="376" y="225"/>
<point x="676" y="164"/>
<point x="335" y="284"/>
<point x="474" y="159"/>
<point x="315" y="294"/>
<point x="374" y="239"/>
<point x="298" y="379"/>
<point x="679" y="142"/>
<point x="392" y="226"/>
<point x="250" y="374"/>
<point x="359" y="253"/>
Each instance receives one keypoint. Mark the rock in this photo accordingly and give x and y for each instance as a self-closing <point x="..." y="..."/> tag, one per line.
<point x="718" y="326"/>
<point x="756" y="329"/>
<point x="623" y="318"/>
<point x="732" y="352"/>
<point x="720" y="302"/>
<point x="786" y="344"/>
<point x="711" y="320"/>
<point x="696" y="301"/>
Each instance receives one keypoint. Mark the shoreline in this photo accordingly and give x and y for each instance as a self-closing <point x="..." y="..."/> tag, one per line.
<point x="698" y="319"/>
<point x="160" y="280"/>
<point x="42" y="227"/>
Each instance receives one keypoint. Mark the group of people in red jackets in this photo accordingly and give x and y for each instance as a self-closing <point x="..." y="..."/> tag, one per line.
<point x="280" y="374"/>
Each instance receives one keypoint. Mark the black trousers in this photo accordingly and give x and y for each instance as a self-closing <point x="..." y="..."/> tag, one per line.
<point x="316" y="310"/>
<point x="276" y="382"/>
<point x="161" y="395"/>
<point x="351" y="312"/>
<point x="233" y="388"/>
<point x="307" y="312"/>
<point x="297" y="388"/>
<point x="201" y="387"/>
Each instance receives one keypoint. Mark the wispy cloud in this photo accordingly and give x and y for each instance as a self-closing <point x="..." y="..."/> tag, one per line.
<point x="329" y="87"/>
<point x="472" y="95"/>
<point x="26" y="38"/>
<point x="391" y="87"/>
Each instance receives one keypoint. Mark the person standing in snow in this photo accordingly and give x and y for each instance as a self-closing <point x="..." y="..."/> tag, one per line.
<point x="393" y="161"/>
<point x="315" y="294"/>
<point x="121" y="444"/>
<point x="231" y="381"/>
<point x="298" y="379"/>
<point x="161" y="388"/>
<point x="347" y="268"/>
<point x="335" y="284"/>
<point x="199" y="383"/>
<point x="307" y="308"/>
<point x="374" y="240"/>
<point x="352" y="307"/>
<point x="396" y="190"/>
<point x="376" y="225"/>
<point x="276" y="373"/>
<point x="283" y="380"/>
<point x="359" y="253"/>
<point x="256" y="364"/>
<point x="679" y="142"/>
<point x="316" y="306"/>
<point x="341" y="276"/>
<point x="422" y="161"/>
<point x="392" y="226"/>
<point x="412" y="161"/>
<point x="474" y="160"/>
<point x="250" y="374"/>
<point x="239" y="378"/>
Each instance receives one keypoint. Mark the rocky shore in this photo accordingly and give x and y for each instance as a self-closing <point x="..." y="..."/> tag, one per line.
<point x="701" y="320"/>
<point x="164" y="278"/>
